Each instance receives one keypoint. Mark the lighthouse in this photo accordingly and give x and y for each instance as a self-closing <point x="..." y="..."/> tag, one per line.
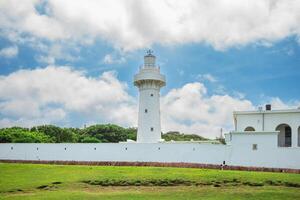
<point x="149" y="80"/>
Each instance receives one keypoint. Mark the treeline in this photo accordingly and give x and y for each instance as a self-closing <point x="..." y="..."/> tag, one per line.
<point x="177" y="136"/>
<point x="100" y="133"/>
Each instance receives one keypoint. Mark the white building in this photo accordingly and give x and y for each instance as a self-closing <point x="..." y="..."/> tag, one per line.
<point x="284" y="123"/>
<point x="149" y="81"/>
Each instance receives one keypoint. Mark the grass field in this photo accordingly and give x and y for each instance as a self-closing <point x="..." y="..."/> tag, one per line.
<point x="39" y="181"/>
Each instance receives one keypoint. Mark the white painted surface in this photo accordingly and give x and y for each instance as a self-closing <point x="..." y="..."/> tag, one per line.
<point x="268" y="154"/>
<point x="143" y="152"/>
<point x="149" y="81"/>
<point x="269" y="121"/>
<point x="239" y="153"/>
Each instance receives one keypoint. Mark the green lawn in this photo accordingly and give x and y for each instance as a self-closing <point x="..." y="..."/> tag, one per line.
<point x="35" y="181"/>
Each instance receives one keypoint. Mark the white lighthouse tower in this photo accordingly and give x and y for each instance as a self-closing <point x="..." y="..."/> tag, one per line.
<point x="149" y="81"/>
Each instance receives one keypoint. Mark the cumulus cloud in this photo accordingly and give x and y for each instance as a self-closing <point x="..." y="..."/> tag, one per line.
<point x="53" y="92"/>
<point x="189" y="109"/>
<point x="9" y="52"/>
<point x="277" y="103"/>
<point x="137" y="24"/>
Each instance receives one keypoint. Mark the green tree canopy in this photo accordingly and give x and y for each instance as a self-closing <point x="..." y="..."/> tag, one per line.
<point x="93" y="134"/>
<point x="58" y="134"/>
<point x="177" y="136"/>
<point x="21" y="135"/>
<point x="106" y="132"/>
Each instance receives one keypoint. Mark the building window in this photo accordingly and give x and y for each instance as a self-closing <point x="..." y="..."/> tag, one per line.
<point x="11" y="148"/>
<point x="158" y="148"/>
<point x="146" y="110"/>
<point x="249" y="128"/>
<point x="65" y="148"/>
<point x="95" y="148"/>
<point x="151" y="128"/>
<point x="254" y="147"/>
<point x="151" y="95"/>
<point x="288" y="136"/>
<point x="126" y="148"/>
<point x="284" y="136"/>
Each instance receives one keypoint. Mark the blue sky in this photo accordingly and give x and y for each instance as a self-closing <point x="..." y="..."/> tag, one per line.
<point x="239" y="61"/>
<point x="256" y="71"/>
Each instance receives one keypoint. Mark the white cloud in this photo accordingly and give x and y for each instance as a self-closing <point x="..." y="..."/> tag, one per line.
<point x="46" y="59"/>
<point x="207" y="77"/>
<point x="190" y="110"/>
<point x="9" y="52"/>
<point x="53" y="93"/>
<point x="137" y="24"/>
<point x="277" y="103"/>
<point x="110" y="59"/>
<point x="54" y="52"/>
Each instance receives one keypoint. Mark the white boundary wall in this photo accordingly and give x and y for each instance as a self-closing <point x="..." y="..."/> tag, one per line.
<point x="132" y="152"/>
<point x="239" y="153"/>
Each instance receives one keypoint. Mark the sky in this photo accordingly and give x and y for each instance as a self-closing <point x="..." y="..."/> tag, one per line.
<point x="71" y="63"/>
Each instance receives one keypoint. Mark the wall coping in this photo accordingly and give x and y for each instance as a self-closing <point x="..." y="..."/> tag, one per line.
<point x="266" y="111"/>
<point x="254" y="132"/>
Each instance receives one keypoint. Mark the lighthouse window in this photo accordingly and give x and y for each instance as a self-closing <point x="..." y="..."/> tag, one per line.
<point x="151" y="95"/>
<point x="151" y="128"/>
<point x="254" y="147"/>
<point x="146" y="110"/>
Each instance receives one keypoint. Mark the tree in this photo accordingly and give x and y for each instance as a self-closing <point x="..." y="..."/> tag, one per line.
<point x="131" y="133"/>
<point x="106" y="132"/>
<point x="177" y="136"/>
<point x="58" y="134"/>
<point x="90" y="140"/>
<point x="20" y="135"/>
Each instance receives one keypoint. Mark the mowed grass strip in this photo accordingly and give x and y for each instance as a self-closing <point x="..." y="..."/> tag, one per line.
<point x="162" y="193"/>
<point x="33" y="181"/>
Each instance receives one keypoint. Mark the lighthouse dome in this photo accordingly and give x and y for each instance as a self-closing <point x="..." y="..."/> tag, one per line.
<point x="149" y="59"/>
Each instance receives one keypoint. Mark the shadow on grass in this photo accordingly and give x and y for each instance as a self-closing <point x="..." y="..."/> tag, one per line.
<point x="183" y="182"/>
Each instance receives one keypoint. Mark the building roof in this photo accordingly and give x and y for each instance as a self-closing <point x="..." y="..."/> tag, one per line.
<point x="266" y="111"/>
<point x="253" y="132"/>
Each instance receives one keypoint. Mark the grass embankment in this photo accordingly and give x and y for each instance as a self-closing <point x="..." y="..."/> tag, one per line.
<point x="34" y="181"/>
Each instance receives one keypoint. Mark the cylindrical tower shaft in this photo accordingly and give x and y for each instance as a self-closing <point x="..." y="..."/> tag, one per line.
<point x="149" y="81"/>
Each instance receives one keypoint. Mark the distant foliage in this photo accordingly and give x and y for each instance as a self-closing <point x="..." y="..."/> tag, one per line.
<point x="99" y="133"/>
<point x="90" y="140"/>
<point x="107" y="133"/>
<point x="22" y="135"/>
<point x="57" y="134"/>
<point x="176" y="136"/>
